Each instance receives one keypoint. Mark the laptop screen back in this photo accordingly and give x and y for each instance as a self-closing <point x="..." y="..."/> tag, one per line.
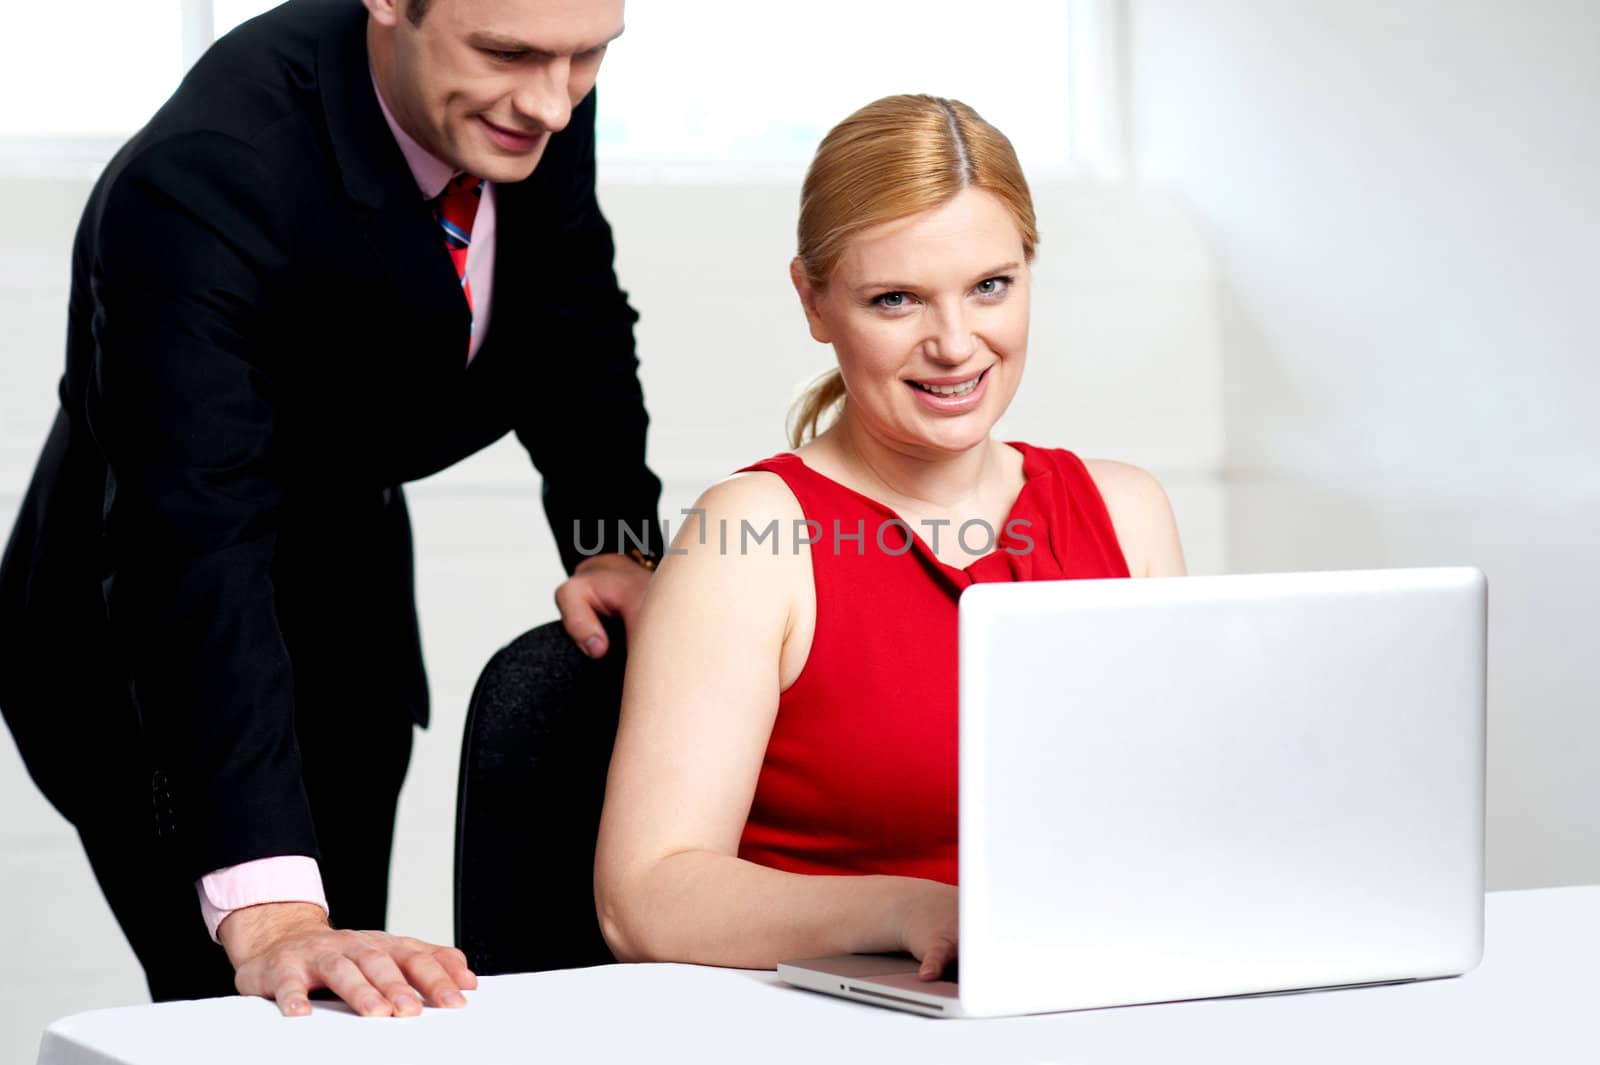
<point x="1176" y="788"/>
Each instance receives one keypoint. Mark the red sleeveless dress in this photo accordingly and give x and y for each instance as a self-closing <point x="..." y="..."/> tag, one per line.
<point x="860" y="772"/>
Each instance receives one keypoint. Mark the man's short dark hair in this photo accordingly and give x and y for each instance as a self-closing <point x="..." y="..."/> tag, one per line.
<point x="415" y="9"/>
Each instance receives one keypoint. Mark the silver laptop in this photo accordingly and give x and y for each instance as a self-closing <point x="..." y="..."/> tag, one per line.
<point x="1191" y="787"/>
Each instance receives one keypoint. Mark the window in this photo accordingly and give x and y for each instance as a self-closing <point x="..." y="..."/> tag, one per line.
<point x="95" y="70"/>
<point x="89" y="67"/>
<point x="742" y="82"/>
<point x="713" y="84"/>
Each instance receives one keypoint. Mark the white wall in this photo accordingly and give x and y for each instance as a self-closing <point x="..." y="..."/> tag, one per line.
<point x="1124" y="362"/>
<point x="1359" y="282"/>
<point x="1404" y="201"/>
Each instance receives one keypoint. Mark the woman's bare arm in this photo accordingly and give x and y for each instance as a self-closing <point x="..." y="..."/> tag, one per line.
<point x="699" y="701"/>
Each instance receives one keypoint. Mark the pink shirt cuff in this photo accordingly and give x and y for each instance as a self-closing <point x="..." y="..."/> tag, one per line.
<point x="288" y="878"/>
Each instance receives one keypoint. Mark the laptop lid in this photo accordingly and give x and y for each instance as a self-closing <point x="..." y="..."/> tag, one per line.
<point x="1185" y="787"/>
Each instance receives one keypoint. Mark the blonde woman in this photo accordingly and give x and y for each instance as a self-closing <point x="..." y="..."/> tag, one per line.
<point x="784" y="778"/>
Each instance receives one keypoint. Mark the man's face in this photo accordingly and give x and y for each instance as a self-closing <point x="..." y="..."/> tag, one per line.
<point x="483" y="83"/>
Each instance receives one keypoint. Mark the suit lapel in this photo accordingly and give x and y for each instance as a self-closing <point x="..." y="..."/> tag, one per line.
<point x="402" y="234"/>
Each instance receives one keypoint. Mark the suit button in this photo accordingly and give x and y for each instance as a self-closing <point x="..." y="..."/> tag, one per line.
<point x="161" y="804"/>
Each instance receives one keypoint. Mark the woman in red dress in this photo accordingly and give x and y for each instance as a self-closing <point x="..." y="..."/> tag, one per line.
<point x="784" y="780"/>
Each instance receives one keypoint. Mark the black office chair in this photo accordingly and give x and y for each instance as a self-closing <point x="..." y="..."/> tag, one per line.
<point x="533" y="770"/>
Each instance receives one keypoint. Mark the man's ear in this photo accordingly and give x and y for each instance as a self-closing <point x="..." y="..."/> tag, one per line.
<point x="808" y="301"/>
<point x="386" y="13"/>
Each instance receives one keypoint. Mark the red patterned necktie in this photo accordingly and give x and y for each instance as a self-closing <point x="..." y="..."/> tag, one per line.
<point x="456" y="208"/>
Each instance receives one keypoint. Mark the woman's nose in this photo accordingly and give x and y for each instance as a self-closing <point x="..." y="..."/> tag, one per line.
<point x="952" y="340"/>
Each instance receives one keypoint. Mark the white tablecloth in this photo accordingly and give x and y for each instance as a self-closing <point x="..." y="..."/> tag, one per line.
<point x="1530" y="1001"/>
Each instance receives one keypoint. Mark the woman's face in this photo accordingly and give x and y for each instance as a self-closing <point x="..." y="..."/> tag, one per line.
<point x="928" y="315"/>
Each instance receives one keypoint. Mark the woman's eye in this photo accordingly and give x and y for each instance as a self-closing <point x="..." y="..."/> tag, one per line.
<point x="891" y="300"/>
<point x="993" y="286"/>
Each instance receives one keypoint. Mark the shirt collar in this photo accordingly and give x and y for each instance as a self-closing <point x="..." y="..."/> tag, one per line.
<point x="432" y="174"/>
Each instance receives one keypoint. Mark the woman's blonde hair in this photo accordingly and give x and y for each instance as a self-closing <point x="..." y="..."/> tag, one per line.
<point x="894" y="157"/>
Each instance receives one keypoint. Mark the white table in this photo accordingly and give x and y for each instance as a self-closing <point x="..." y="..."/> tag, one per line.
<point x="1534" y="999"/>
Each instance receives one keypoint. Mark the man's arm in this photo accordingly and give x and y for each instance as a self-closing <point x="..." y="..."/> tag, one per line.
<point x="601" y="498"/>
<point x="586" y="432"/>
<point x="181" y="405"/>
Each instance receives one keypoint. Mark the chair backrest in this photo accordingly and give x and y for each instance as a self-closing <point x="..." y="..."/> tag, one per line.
<point x="533" y="771"/>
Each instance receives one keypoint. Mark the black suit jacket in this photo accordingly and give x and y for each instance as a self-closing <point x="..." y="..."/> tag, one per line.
<point x="265" y="338"/>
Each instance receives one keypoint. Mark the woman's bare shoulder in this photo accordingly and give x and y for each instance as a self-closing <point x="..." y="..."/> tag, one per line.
<point x="1141" y="515"/>
<point x="754" y="496"/>
<point x="1124" y="480"/>
<point x="736" y="522"/>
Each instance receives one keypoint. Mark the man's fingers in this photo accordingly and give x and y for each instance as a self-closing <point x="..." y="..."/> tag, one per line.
<point x="293" y="998"/>
<point x="383" y="973"/>
<point x="344" y="978"/>
<point x="578" y="617"/>
<point x="455" y="963"/>
<point x="630" y="616"/>
<point x="430" y="977"/>
<point x="377" y="975"/>
<point x="285" y="980"/>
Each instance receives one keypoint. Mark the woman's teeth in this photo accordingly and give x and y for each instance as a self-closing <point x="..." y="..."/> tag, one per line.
<point x="950" y="390"/>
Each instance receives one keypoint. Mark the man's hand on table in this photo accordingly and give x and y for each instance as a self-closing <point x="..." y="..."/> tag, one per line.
<point x="286" y="950"/>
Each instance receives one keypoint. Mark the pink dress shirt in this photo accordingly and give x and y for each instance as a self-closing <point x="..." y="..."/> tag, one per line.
<point x="295" y="877"/>
<point x="432" y="175"/>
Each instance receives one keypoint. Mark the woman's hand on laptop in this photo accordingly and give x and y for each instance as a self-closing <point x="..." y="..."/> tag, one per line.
<point x="930" y="929"/>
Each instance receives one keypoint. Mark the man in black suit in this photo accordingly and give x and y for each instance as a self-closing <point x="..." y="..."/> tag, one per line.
<point x="291" y="292"/>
